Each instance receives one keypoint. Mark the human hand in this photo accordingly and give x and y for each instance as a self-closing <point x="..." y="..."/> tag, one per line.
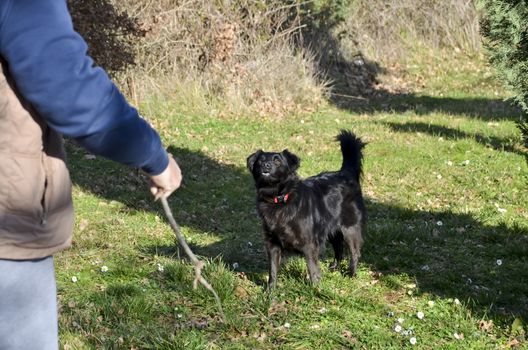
<point x="162" y="185"/>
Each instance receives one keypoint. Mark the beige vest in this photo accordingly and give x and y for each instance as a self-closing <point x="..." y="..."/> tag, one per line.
<point x="36" y="211"/>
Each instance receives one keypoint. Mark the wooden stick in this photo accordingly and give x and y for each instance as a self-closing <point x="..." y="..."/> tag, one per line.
<point x="198" y="265"/>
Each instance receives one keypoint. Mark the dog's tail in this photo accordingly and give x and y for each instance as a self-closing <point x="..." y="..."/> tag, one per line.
<point x="351" y="147"/>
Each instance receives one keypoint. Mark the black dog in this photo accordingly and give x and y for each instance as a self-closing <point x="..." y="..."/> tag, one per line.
<point x="300" y="215"/>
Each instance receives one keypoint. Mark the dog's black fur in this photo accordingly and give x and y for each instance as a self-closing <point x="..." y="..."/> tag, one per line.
<point x="300" y="215"/>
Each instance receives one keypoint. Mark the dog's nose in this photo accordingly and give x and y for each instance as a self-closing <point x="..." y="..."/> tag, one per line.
<point x="267" y="165"/>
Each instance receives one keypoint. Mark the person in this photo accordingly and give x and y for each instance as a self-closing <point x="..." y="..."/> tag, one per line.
<point x="49" y="86"/>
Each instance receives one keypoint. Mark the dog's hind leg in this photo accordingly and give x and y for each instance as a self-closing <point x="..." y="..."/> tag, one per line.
<point x="337" y="243"/>
<point x="311" y="253"/>
<point x="274" y="257"/>
<point x="354" y="240"/>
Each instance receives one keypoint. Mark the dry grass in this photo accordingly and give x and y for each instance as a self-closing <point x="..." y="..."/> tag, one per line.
<point x="243" y="57"/>
<point x="216" y="56"/>
<point x="387" y="30"/>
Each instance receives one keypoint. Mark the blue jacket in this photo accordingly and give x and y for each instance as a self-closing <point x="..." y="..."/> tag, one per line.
<point x="52" y="70"/>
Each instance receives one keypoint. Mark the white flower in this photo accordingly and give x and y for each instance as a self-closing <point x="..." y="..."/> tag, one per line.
<point x="412" y="340"/>
<point x="315" y="326"/>
<point x="457" y="302"/>
<point x="250" y="244"/>
<point x="430" y="303"/>
<point x="161" y="268"/>
<point x="235" y="266"/>
<point x="425" y="268"/>
<point x="322" y="310"/>
<point x="400" y="320"/>
<point x="74" y="279"/>
<point x="439" y="177"/>
<point x="439" y="223"/>
<point x="458" y="336"/>
<point x="450" y="163"/>
<point x="302" y="121"/>
<point x="104" y="268"/>
<point x="501" y="210"/>
<point x="499" y="262"/>
<point x="287" y="325"/>
<point x="397" y="328"/>
<point x="466" y="162"/>
<point x="420" y="315"/>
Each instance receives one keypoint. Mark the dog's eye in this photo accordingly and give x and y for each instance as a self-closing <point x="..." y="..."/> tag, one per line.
<point x="277" y="161"/>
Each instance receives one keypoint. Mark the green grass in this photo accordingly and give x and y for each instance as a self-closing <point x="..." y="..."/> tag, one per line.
<point x="445" y="182"/>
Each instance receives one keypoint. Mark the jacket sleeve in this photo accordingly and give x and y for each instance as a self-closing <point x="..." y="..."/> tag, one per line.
<point x="52" y="70"/>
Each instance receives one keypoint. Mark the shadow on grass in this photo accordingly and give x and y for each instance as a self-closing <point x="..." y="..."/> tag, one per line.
<point x="353" y="80"/>
<point x="473" y="107"/>
<point x="214" y="198"/>
<point x="458" y="259"/>
<point x="452" y="255"/>
<point x="497" y="143"/>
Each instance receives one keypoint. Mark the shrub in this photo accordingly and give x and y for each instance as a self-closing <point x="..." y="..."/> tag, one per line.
<point x="323" y="33"/>
<point x="505" y="28"/>
<point x="342" y="34"/>
<point x="233" y="57"/>
<point x="387" y="30"/>
<point x="110" y="34"/>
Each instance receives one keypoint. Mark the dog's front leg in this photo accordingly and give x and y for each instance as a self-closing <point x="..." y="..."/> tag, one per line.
<point x="274" y="257"/>
<point x="311" y="254"/>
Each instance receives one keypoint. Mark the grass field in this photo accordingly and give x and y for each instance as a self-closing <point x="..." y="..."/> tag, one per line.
<point x="445" y="181"/>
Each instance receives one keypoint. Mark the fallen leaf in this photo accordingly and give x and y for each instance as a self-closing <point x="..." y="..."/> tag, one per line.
<point x="260" y="336"/>
<point x="83" y="224"/>
<point x="241" y="293"/>
<point x="276" y="308"/>
<point x="485" y="325"/>
<point x="513" y="343"/>
<point x="348" y="335"/>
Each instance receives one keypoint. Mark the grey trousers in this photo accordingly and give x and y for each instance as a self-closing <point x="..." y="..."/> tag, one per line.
<point x="28" y="305"/>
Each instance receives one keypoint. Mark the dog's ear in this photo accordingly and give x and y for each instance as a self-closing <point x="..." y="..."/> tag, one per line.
<point x="292" y="159"/>
<point x="252" y="159"/>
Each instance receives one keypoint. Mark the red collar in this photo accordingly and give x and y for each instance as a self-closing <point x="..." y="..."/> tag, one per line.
<point x="281" y="199"/>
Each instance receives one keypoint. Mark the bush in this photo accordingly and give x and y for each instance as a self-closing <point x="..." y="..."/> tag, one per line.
<point x="388" y="30"/>
<point x="342" y="34"/>
<point x="505" y="27"/>
<point x="323" y="33"/>
<point x="110" y="34"/>
<point x="210" y="56"/>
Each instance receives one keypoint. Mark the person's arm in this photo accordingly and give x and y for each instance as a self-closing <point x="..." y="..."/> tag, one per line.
<point x="52" y="70"/>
